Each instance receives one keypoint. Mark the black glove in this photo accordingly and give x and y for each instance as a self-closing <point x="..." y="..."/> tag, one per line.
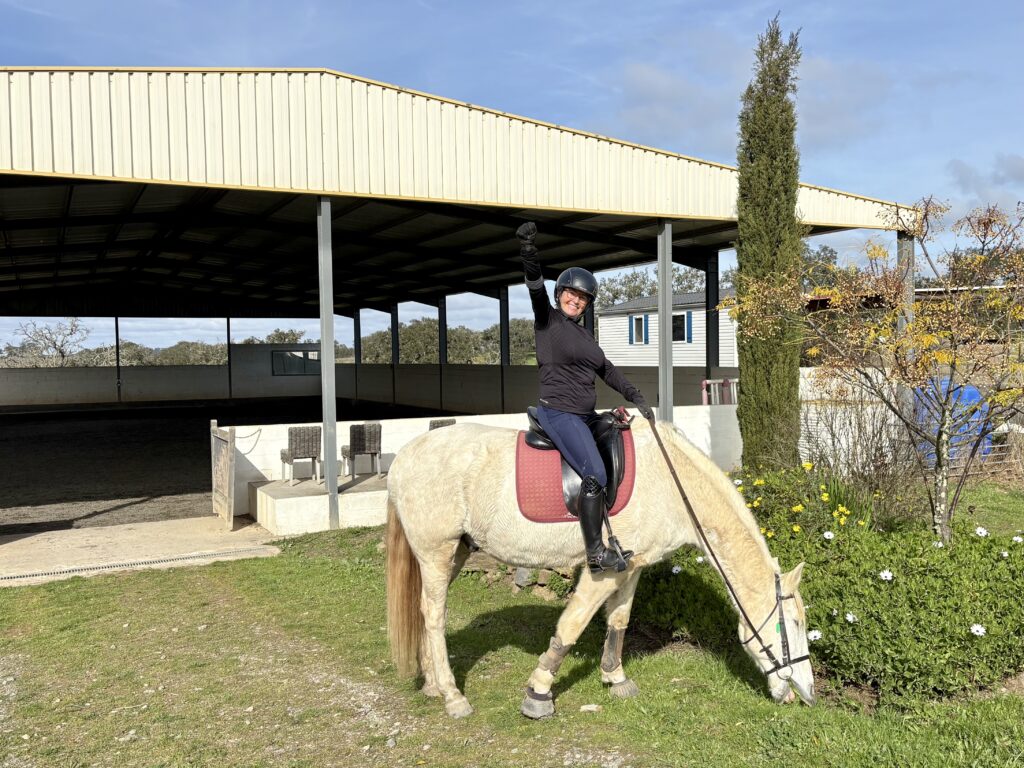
<point x="645" y="410"/>
<point x="527" y="233"/>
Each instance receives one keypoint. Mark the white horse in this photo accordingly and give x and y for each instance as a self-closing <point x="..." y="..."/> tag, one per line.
<point x="460" y="481"/>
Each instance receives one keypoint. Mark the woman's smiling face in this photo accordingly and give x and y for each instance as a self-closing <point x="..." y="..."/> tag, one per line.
<point x="572" y="302"/>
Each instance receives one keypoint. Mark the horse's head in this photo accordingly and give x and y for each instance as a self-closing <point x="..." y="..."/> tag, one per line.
<point x="781" y="652"/>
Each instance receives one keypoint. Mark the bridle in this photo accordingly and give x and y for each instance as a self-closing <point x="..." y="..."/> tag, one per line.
<point x="786" y="663"/>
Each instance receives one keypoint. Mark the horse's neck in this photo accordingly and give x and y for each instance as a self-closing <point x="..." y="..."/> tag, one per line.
<point x="742" y="559"/>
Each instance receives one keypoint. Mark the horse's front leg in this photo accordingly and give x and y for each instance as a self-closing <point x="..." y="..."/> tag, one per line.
<point x="618" y="608"/>
<point x="590" y="593"/>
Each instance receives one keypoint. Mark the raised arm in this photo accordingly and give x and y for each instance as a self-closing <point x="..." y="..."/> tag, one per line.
<point x="534" y="275"/>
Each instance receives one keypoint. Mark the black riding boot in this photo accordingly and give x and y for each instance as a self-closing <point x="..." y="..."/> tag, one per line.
<point x="592" y="511"/>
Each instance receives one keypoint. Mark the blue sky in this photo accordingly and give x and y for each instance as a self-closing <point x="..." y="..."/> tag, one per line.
<point x="896" y="100"/>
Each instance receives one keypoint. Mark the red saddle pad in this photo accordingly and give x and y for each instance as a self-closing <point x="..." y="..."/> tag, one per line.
<point x="539" y="482"/>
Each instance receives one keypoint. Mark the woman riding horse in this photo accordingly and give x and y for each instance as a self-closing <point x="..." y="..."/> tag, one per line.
<point x="569" y="359"/>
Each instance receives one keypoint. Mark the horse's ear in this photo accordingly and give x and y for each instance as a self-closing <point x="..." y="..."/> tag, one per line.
<point x="791" y="580"/>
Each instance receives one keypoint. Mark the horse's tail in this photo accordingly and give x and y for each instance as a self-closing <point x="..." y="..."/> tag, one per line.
<point x="405" y="620"/>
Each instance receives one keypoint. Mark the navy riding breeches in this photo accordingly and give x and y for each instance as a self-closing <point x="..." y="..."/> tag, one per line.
<point x="570" y="432"/>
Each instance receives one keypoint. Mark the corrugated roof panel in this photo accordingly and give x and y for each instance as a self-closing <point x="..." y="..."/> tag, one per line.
<point x="313" y="131"/>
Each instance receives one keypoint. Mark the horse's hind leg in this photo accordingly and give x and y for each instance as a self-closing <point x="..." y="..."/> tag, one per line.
<point x="618" y="608"/>
<point x="589" y="595"/>
<point x="435" y="573"/>
<point x="430" y="688"/>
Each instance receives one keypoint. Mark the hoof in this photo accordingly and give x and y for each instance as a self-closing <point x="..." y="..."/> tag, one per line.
<point x="459" y="707"/>
<point x="537" y="709"/>
<point x="627" y="689"/>
<point x="430" y="690"/>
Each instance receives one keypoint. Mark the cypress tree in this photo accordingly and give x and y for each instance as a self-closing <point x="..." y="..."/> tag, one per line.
<point x="768" y="248"/>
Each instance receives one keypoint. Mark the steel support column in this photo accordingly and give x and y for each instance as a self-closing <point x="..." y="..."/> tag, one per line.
<point x="665" y="320"/>
<point x="394" y="354"/>
<point x="442" y="347"/>
<point x="357" y="350"/>
<point x="230" y="395"/>
<point x="505" y="354"/>
<point x="117" y="356"/>
<point x="711" y="299"/>
<point x="325" y="256"/>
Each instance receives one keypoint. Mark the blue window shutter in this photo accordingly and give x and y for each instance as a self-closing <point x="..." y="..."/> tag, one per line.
<point x="629" y="322"/>
<point x="647" y="329"/>
<point x="689" y="327"/>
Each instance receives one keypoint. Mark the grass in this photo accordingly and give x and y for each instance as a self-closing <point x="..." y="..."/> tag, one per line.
<point x="283" y="662"/>
<point x="998" y="507"/>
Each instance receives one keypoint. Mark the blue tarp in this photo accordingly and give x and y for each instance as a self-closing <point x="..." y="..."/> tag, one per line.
<point x="964" y="397"/>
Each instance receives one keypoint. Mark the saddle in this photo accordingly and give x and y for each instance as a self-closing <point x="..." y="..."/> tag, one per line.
<point x="541" y="471"/>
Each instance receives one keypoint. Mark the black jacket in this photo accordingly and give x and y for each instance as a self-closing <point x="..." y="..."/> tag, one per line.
<point x="567" y="354"/>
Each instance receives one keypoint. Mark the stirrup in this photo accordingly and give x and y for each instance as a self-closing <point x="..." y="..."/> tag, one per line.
<point x="610" y="558"/>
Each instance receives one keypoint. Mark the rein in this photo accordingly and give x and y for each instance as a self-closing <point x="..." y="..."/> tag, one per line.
<point x="787" y="662"/>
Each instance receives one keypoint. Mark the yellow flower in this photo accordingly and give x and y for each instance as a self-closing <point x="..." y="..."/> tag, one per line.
<point x="797" y="508"/>
<point x="759" y="481"/>
<point x="739" y="488"/>
<point x="757" y="502"/>
<point x="749" y="505"/>
<point x="824" y="497"/>
<point x="796" y="529"/>
<point x="807" y="466"/>
<point x="770" y="534"/>
<point x="842" y="510"/>
<point x="861" y="522"/>
<point x="835" y="514"/>
<point x="763" y="529"/>
<point x="842" y="521"/>
<point x="821" y="487"/>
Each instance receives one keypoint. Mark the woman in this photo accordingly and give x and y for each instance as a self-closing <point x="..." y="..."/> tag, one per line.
<point x="569" y="359"/>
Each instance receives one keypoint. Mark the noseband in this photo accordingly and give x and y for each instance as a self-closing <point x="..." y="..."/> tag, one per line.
<point x="787" y="662"/>
<point x="777" y="666"/>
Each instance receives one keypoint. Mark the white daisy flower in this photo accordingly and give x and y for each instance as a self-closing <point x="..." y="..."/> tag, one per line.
<point x="885" y="575"/>
<point x="835" y="611"/>
<point x="938" y="544"/>
<point x="1018" y="539"/>
<point x="828" y="535"/>
<point x="737" y="482"/>
<point x="700" y="558"/>
<point x="851" y="618"/>
<point x="981" y="531"/>
<point x="676" y="568"/>
<point x="1005" y="554"/>
<point x="813" y="635"/>
<point x="978" y="629"/>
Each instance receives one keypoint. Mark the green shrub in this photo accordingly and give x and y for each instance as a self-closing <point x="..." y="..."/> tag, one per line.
<point x="909" y="637"/>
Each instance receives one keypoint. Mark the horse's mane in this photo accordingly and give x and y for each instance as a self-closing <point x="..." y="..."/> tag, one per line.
<point x="719" y="483"/>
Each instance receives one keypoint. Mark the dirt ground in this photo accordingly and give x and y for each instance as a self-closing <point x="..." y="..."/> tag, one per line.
<point x="92" y="471"/>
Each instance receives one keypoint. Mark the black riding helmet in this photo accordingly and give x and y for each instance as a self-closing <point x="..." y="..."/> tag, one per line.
<point x="579" y="279"/>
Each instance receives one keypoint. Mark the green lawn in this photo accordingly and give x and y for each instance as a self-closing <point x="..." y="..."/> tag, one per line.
<point x="998" y="507"/>
<point x="283" y="661"/>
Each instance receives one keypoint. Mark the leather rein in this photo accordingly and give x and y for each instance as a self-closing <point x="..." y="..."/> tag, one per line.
<point x="778" y="666"/>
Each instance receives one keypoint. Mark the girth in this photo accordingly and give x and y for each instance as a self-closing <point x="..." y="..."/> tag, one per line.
<point x="607" y="434"/>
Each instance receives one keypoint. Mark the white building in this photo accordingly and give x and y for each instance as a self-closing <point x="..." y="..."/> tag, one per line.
<point x="629" y="332"/>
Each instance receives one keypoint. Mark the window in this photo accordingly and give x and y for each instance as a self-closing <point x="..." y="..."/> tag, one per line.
<point x="682" y="327"/>
<point x="639" y="330"/>
<point x="295" y="362"/>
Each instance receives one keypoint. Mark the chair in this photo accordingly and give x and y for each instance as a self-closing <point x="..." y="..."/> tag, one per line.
<point x="303" y="443"/>
<point x="438" y="423"/>
<point x="362" y="438"/>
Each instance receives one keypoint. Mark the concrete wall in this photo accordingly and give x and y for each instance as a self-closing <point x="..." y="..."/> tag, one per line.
<point x="46" y="386"/>
<point x="252" y="374"/>
<point x="713" y="429"/>
<point x="174" y="382"/>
